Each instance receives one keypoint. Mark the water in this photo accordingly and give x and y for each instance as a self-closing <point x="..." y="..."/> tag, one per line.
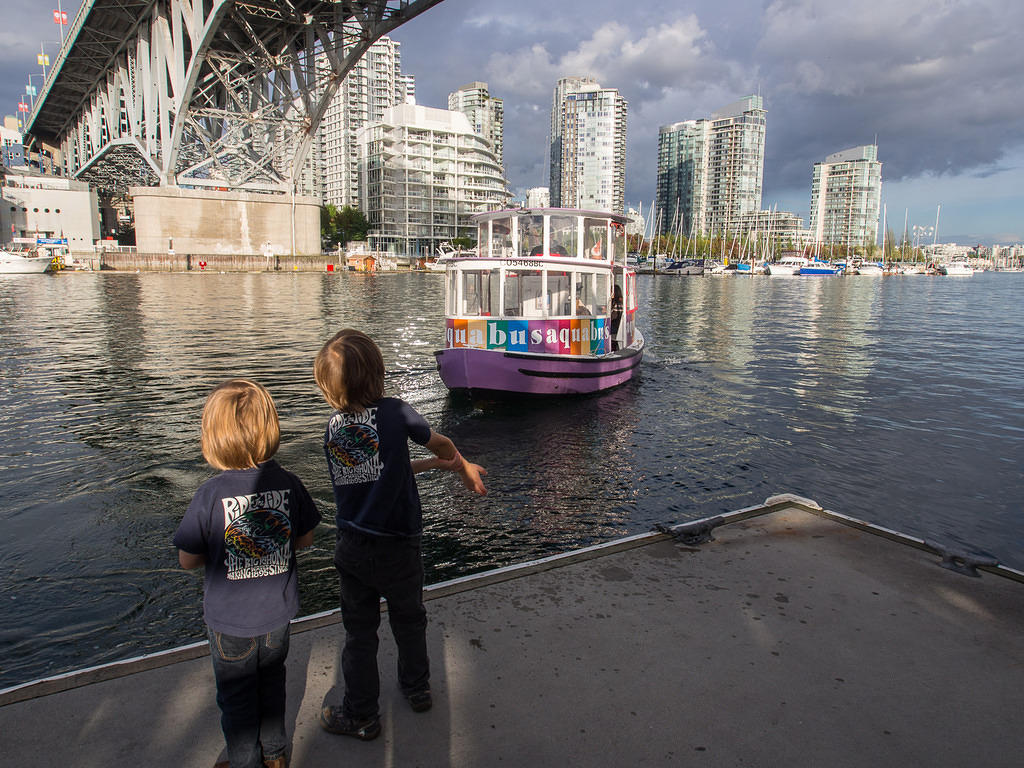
<point x="896" y="400"/>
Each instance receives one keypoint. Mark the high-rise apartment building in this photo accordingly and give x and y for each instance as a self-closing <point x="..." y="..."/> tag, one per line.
<point x="538" y="197"/>
<point x="375" y="83"/>
<point x="846" y="195"/>
<point x="588" y="146"/>
<point x="711" y="171"/>
<point x="423" y="173"/>
<point x="486" y="114"/>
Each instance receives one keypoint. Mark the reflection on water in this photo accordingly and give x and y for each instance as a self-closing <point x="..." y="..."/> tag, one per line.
<point x="896" y="400"/>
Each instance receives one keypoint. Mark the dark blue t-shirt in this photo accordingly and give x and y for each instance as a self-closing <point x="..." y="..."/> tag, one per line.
<point x="245" y="521"/>
<point x="368" y="460"/>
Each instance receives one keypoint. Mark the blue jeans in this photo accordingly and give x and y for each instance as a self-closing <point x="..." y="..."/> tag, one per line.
<point x="250" y="677"/>
<point x="371" y="567"/>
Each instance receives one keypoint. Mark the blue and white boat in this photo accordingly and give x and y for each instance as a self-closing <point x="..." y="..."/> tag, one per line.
<point x="820" y="268"/>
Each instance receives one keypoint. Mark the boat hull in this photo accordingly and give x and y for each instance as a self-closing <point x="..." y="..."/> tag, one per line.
<point x="22" y="265"/>
<point x="812" y="270"/>
<point x="482" y="370"/>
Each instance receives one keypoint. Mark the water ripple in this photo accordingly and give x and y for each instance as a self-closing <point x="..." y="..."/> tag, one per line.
<point x="893" y="400"/>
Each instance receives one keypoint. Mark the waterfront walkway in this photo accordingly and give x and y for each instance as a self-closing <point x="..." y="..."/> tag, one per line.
<point x="788" y="640"/>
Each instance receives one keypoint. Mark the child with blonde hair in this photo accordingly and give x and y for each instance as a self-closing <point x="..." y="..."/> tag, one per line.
<point x="244" y="526"/>
<point x="380" y="522"/>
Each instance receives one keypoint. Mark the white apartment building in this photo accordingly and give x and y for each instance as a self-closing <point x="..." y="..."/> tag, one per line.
<point x="846" y="195"/>
<point x="34" y="206"/>
<point x="588" y="146"/>
<point x="711" y="171"/>
<point x="423" y="172"/>
<point x="375" y="84"/>
<point x="486" y="114"/>
<point x="538" y="197"/>
<point x="784" y="228"/>
<point x="637" y="223"/>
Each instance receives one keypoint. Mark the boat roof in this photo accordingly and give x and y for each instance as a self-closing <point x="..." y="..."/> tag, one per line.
<point x="506" y="212"/>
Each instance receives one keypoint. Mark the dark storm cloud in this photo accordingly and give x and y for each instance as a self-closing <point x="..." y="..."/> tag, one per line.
<point x="937" y="83"/>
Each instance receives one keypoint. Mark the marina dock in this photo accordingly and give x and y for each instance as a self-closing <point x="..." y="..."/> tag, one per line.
<point x="794" y="637"/>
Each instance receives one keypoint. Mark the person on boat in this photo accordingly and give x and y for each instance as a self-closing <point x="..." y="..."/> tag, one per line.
<point x="244" y="526"/>
<point x="380" y="523"/>
<point x="556" y="250"/>
<point x="581" y="308"/>
<point x="616" y="315"/>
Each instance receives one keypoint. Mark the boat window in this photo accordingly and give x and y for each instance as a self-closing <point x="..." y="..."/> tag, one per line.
<point x="479" y="292"/>
<point x="451" y="298"/>
<point x="618" y="241"/>
<point x="592" y="292"/>
<point x="601" y="294"/>
<point x="483" y="238"/>
<point x="595" y="238"/>
<point x="559" y="293"/>
<point x="531" y="236"/>
<point x="501" y="239"/>
<point x="523" y="294"/>
<point x="563" y="235"/>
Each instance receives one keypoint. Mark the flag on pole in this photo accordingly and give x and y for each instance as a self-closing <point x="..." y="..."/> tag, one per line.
<point x="43" y="59"/>
<point x="22" y="106"/>
<point x="60" y="17"/>
<point x="30" y="90"/>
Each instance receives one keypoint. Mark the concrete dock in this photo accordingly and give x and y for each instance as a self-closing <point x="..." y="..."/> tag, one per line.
<point x="790" y="639"/>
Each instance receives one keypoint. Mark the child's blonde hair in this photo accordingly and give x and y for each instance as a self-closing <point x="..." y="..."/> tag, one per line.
<point x="240" y="425"/>
<point x="349" y="369"/>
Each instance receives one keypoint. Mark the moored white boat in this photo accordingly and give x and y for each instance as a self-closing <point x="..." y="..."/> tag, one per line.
<point x="685" y="267"/>
<point x="18" y="262"/>
<point x="957" y="268"/>
<point x="546" y="305"/>
<point x="787" y="266"/>
<point x="868" y="268"/>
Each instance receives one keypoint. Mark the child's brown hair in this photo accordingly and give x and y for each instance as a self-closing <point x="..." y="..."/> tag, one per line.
<point x="349" y="369"/>
<point x="240" y="425"/>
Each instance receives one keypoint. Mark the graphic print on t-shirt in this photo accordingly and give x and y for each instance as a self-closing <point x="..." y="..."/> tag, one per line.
<point x="353" y="446"/>
<point x="257" y="534"/>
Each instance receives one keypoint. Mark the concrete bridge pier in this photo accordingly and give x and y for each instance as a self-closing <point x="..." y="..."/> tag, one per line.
<point x="221" y="222"/>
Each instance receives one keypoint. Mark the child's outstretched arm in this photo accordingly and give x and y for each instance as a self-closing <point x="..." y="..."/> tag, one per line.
<point x="450" y="459"/>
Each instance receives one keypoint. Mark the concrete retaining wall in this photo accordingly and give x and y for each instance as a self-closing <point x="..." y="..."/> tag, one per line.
<point x="215" y="262"/>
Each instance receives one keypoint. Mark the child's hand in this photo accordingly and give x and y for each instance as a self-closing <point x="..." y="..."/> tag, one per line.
<point x="471" y="473"/>
<point x="454" y="464"/>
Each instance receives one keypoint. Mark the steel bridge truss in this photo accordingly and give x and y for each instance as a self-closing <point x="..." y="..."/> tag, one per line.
<point x="222" y="94"/>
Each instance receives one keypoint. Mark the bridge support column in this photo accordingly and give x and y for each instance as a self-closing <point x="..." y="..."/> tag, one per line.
<point x="214" y="222"/>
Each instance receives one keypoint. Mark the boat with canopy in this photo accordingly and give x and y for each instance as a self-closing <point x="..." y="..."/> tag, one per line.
<point x="545" y="305"/>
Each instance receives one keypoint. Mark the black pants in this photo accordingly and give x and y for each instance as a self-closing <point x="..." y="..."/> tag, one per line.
<point x="372" y="567"/>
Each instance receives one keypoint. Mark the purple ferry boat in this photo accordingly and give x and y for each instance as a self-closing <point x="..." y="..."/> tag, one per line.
<point x="545" y="305"/>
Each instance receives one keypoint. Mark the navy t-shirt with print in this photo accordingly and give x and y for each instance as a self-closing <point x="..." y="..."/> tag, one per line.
<point x="368" y="459"/>
<point x="245" y="522"/>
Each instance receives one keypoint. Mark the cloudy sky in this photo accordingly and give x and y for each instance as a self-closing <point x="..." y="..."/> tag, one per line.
<point x="938" y="83"/>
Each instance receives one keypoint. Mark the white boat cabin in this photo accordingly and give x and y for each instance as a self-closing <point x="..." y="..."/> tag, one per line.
<point x="550" y="281"/>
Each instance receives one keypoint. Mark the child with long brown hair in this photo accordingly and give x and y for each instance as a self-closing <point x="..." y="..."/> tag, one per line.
<point x="380" y="522"/>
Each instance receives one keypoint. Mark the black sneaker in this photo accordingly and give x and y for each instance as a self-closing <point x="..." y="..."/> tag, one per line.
<point x="420" y="701"/>
<point x="334" y="720"/>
